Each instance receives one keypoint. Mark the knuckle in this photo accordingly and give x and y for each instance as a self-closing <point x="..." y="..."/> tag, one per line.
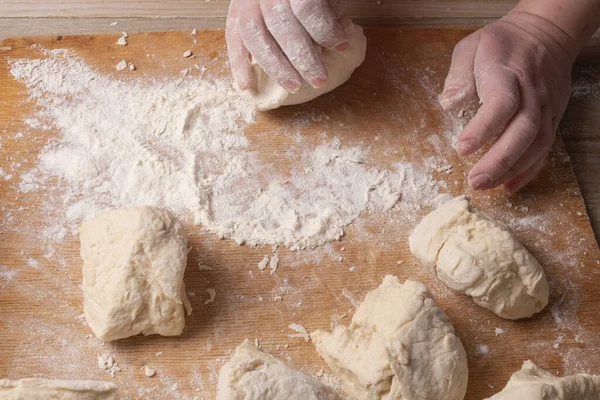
<point x="528" y="128"/>
<point x="502" y="163"/>
<point x="510" y="101"/>
<point x="463" y="45"/>
<point x="306" y="8"/>
<point x="548" y="140"/>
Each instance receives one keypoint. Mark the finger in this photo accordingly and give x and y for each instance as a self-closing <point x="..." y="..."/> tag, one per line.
<point x="510" y="146"/>
<point x="498" y="89"/>
<point x="239" y="57"/>
<point x="459" y="86"/>
<point x="263" y="47"/>
<point x="539" y="149"/>
<point x="337" y="6"/>
<point x="320" y="21"/>
<point x="293" y="39"/>
<point x="520" y="181"/>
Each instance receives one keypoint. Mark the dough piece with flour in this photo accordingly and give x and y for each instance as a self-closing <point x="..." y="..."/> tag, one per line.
<point x="340" y="65"/>
<point x="133" y="265"/>
<point x="534" y="383"/>
<point x="254" y="375"/>
<point x="475" y="255"/>
<point x="400" y="345"/>
<point x="43" y="389"/>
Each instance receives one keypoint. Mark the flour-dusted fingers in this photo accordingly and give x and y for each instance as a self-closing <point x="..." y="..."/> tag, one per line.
<point x="321" y="22"/>
<point x="239" y="57"/>
<point x="539" y="149"/>
<point x="499" y="91"/>
<point x="459" y="86"/>
<point x="510" y="146"/>
<point x="520" y="181"/>
<point x="264" y="48"/>
<point x="294" y="40"/>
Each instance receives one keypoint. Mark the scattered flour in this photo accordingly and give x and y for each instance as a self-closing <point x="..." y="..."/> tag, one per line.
<point x="108" y="363"/>
<point x="350" y="296"/>
<point x="182" y="146"/>
<point x="6" y="275"/>
<point x="262" y="265"/>
<point x="302" y="332"/>
<point x="211" y="293"/>
<point x="482" y="350"/>
<point x="274" y="263"/>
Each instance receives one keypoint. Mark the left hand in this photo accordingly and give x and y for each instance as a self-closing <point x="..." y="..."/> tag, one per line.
<point x="520" y="68"/>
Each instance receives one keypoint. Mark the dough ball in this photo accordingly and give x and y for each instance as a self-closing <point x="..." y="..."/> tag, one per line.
<point x="133" y="265"/>
<point x="340" y="65"/>
<point x="533" y="383"/>
<point x="400" y="345"/>
<point x="43" y="389"/>
<point x="254" y="375"/>
<point x="475" y="255"/>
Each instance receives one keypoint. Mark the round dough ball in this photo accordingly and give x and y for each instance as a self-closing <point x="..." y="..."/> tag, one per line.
<point x="534" y="383"/>
<point x="254" y="375"/>
<point x="133" y="265"/>
<point x="400" y="345"/>
<point x="475" y="255"/>
<point x="339" y="64"/>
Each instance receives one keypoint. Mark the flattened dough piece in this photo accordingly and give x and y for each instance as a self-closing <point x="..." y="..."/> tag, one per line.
<point x="133" y="265"/>
<point x="400" y="345"/>
<point x="43" y="389"/>
<point x="534" y="383"/>
<point x="340" y="65"/>
<point x="475" y="255"/>
<point x="254" y="375"/>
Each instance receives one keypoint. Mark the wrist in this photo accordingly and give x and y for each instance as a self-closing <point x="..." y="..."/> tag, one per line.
<point x="575" y="20"/>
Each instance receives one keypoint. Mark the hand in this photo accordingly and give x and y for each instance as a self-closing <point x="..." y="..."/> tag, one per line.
<point x="283" y="37"/>
<point x="520" y="68"/>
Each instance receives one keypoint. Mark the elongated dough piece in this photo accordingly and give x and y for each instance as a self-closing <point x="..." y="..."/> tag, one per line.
<point x="475" y="255"/>
<point x="43" y="389"/>
<point x="534" y="383"/>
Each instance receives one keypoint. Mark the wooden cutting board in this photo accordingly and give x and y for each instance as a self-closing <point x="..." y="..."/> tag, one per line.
<point x="390" y="103"/>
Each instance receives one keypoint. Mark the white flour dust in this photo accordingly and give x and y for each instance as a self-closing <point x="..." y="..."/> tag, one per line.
<point x="180" y="144"/>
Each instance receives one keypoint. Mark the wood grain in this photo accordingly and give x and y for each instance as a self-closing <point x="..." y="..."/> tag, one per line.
<point x="390" y="105"/>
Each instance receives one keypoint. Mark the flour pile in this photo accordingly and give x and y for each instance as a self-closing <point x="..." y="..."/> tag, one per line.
<point x="180" y="144"/>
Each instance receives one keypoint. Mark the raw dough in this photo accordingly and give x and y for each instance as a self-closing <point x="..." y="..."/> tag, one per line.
<point x="340" y="66"/>
<point x="480" y="257"/>
<point x="254" y="375"/>
<point x="400" y="345"/>
<point x="133" y="265"/>
<point x="533" y="383"/>
<point x="43" y="389"/>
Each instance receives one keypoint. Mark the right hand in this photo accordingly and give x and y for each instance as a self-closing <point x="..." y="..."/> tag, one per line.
<point x="283" y="37"/>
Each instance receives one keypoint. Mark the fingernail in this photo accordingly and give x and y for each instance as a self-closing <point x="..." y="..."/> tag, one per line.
<point x="342" y="46"/>
<point x="318" y="82"/>
<point x="291" y="86"/>
<point x="480" y="181"/>
<point x="466" y="147"/>
<point x="509" y="191"/>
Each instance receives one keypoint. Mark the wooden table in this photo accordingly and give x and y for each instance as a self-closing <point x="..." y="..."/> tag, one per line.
<point x="581" y="126"/>
<point x="580" y="130"/>
<point x="41" y="335"/>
